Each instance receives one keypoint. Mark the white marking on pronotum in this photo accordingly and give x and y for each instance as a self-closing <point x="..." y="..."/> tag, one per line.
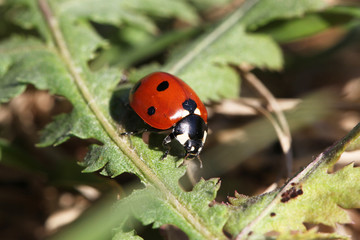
<point x="204" y="137"/>
<point x="182" y="138"/>
<point x="197" y="111"/>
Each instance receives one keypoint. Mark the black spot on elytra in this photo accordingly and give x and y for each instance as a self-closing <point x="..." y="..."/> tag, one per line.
<point x="272" y="214"/>
<point x="162" y="86"/>
<point x="189" y="105"/>
<point x="151" y="110"/>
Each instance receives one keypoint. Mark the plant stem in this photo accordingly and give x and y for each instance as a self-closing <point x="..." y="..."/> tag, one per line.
<point x="324" y="160"/>
<point x="145" y="173"/>
<point x="212" y="37"/>
<point x="280" y="123"/>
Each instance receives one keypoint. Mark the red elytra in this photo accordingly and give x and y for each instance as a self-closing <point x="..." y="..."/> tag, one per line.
<point x="162" y="100"/>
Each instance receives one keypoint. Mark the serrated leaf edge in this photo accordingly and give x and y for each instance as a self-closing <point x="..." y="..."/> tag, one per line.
<point x="145" y="173"/>
<point x="212" y="37"/>
<point x="334" y="152"/>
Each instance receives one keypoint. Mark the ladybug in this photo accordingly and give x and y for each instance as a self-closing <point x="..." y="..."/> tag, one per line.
<point x="168" y="104"/>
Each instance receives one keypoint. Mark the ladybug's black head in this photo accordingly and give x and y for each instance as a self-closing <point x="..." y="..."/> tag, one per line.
<point x="193" y="148"/>
<point x="191" y="132"/>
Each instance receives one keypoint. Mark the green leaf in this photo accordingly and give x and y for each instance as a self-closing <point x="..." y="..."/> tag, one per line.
<point x="113" y="12"/>
<point x="312" y="234"/>
<point x="56" y="58"/>
<point x="313" y="196"/>
<point x="298" y="28"/>
<point x="204" y="5"/>
<point x="227" y="43"/>
<point x="354" y="145"/>
<point x="204" y="63"/>
<point x="345" y="10"/>
<point x="26" y="14"/>
<point x="61" y="67"/>
<point x="233" y="47"/>
<point x="281" y="9"/>
<point x="169" y="8"/>
<point x="126" y="236"/>
<point x="20" y="58"/>
<point x="290" y="30"/>
<point x="151" y="209"/>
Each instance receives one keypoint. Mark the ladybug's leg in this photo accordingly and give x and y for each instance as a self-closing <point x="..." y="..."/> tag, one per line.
<point x="133" y="132"/>
<point x="198" y="157"/>
<point x="166" y="145"/>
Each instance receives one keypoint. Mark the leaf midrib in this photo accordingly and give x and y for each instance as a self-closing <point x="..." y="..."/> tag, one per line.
<point x="215" y="34"/>
<point x="321" y="163"/>
<point x="147" y="174"/>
